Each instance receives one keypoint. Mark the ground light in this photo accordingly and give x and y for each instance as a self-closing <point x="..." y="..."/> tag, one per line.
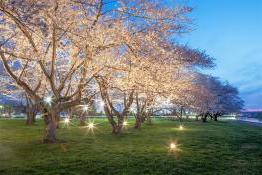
<point x="91" y="125"/>
<point x="181" y="127"/>
<point x="67" y="120"/>
<point x="172" y="146"/>
<point x="125" y="123"/>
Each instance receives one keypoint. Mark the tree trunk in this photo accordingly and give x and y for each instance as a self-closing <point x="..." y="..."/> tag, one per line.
<point x="216" y="116"/>
<point x="50" y="132"/>
<point x="57" y="122"/>
<point x="120" y="121"/>
<point x="138" y="121"/>
<point x="82" y="121"/>
<point x="113" y="123"/>
<point x="147" y="117"/>
<point x="197" y="117"/>
<point x="30" y="118"/>
<point x="50" y="128"/>
<point x="204" y="118"/>
<point x="31" y="115"/>
<point x="117" y="129"/>
<point x="31" y="111"/>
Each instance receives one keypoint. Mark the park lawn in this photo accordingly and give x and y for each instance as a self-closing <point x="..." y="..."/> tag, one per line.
<point x="203" y="148"/>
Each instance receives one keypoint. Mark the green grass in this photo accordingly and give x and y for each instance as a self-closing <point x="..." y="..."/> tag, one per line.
<point x="210" y="148"/>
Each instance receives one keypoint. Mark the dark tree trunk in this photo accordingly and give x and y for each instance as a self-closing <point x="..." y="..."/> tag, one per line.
<point x="179" y="117"/>
<point x="216" y="116"/>
<point x="204" y="117"/>
<point x="197" y="116"/>
<point x="211" y="116"/>
<point x="30" y="118"/>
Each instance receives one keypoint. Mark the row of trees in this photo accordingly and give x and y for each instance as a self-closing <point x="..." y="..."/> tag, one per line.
<point x="62" y="54"/>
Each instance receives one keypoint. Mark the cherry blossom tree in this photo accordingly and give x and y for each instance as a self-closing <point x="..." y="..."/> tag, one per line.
<point x="214" y="98"/>
<point x="45" y="49"/>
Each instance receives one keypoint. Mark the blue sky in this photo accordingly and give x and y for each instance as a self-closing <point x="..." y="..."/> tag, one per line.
<point x="231" y="32"/>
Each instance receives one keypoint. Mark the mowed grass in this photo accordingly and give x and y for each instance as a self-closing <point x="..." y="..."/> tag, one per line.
<point x="202" y="148"/>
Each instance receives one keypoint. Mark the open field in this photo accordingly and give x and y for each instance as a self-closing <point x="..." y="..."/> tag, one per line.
<point x="210" y="148"/>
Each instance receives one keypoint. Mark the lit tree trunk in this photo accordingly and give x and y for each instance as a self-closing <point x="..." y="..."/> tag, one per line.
<point x="31" y="115"/>
<point x="111" y="111"/>
<point x="116" y="126"/>
<point x="50" y="120"/>
<point x="111" y="120"/>
<point x="120" y="121"/>
<point x="139" y="120"/>
<point x="31" y="111"/>
<point x="139" y="113"/>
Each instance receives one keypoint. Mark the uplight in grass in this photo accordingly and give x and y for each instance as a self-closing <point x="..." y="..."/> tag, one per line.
<point x="172" y="146"/>
<point x="67" y="120"/>
<point x="125" y="123"/>
<point x="90" y="125"/>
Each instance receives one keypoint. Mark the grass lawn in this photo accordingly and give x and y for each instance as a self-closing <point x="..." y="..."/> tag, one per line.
<point x="211" y="148"/>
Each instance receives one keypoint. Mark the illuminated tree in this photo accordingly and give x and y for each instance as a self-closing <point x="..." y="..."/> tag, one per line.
<point x="45" y="52"/>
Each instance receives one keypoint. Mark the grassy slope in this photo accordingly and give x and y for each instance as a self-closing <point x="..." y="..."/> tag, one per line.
<point x="211" y="148"/>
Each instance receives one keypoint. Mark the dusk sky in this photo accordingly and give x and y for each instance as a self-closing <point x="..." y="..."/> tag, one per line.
<point x="231" y="32"/>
